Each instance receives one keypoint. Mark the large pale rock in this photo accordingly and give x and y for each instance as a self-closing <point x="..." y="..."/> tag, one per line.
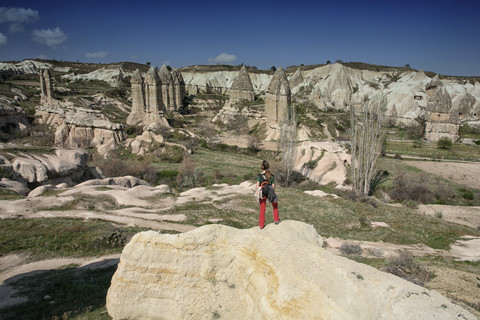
<point x="278" y="104"/>
<point x="31" y="170"/>
<point x="242" y="87"/>
<point x="280" y="272"/>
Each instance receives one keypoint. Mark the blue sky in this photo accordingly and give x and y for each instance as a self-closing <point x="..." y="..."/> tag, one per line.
<point x="441" y="36"/>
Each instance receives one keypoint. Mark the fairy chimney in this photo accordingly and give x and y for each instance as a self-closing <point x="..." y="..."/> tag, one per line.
<point x="296" y="78"/>
<point x="46" y="86"/>
<point x="138" y="102"/>
<point x="168" y="94"/>
<point x="242" y="87"/>
<point x="153" y="97"/>
<point x="179" y="87"/>
<point x="278" y="106"/>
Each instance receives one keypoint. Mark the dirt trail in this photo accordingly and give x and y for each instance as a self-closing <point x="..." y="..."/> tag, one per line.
<point x="467" y="174"/>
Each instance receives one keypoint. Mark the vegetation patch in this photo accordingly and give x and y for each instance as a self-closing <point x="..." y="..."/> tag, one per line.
<point x="54" y="237"/>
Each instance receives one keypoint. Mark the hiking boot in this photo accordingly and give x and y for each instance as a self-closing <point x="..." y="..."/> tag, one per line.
<point x="277" y="222"/>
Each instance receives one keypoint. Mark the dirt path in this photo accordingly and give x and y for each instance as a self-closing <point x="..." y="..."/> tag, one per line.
<point x="467" y="174"/>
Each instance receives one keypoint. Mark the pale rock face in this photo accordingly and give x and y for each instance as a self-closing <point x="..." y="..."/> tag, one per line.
<point x="278" y="106"/>
<point x="280" y="272"/>
<point x="179" y="87"/>
<point x="138" y="103"/>
<point x="242" y="87"/>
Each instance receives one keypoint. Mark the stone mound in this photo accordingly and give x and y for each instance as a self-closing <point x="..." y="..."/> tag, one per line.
<point x="280" y="272"/>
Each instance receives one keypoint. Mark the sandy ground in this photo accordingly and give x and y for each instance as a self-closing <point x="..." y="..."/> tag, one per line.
<point x="467" y="174"/>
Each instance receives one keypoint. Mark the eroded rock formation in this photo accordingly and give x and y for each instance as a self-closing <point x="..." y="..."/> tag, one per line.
<point x="168" y="91"/>
<point x="82" y="128"/>
<point x="153" y="98"/>
<point x="46" y="86"/>
<point x="147" y="103"/>
<point x="179" y="88"/>
<point x="138" y="100"/>
<point x="280" y="272"/>
<point x="296" y="78"/>
<point x="242" y="87"/>
<point x="278" y="104"/>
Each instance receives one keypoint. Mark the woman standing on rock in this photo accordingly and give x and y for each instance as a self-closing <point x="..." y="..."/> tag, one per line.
<point x="266" y="188"/>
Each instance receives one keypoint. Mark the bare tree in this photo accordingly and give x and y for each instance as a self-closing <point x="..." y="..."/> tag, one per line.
<point x="367" y="136"/>
<point x="288" y="145"/>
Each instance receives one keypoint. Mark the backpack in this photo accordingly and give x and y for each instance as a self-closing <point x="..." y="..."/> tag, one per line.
<point x="264" y="184"/>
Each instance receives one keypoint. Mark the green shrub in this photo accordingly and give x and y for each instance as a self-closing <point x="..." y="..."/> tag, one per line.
<point x="444" y="143"/>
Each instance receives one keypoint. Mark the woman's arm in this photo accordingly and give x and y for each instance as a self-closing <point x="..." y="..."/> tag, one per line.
<point x="273" y="186"/>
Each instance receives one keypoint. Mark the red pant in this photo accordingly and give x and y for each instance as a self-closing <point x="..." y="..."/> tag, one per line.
<point x="263" y="206"/>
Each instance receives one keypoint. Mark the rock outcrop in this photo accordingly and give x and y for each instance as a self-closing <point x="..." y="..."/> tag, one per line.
<point x="63" y="166"/>
<point x="46" y="87"/>
<point x="81" y="128"/>
<point x="280" y="272"/>
<point x="168" y="91"/>
<point x="178" y="88"/>
<point x="242" y="87"/>
<point x="442" y="120"/>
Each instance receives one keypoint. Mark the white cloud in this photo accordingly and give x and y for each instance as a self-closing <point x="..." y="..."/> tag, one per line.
<point x="223" y="58"/>
<point x="18" y="15"/>
<point x="16" y="27"/>
<point x="42" y="57"/>
<point x="50" y="37"/>
<point x="3" y="39"/>
<point x="100" y="54"/>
